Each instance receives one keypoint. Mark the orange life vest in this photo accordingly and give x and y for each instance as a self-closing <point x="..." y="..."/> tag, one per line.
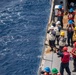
<point x="66" y="57"/>
<point x="60" y="13"/>
<point x="71" y="16"/>
<point x="74" y="51"/>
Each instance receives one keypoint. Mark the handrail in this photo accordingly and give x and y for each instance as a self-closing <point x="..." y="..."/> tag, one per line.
<point x="51" y="12"/>
<point x="49" y="22"/>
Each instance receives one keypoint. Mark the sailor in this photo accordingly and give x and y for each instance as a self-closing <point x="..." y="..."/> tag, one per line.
<point x="71" y="14"/>
<point x="46" y="71"/>
<point x="60" y="15"/>
<point x="51" y="27"/>
<point x="70" y="28"/>
<point x="62" y="40"/>
<point x="73" y="52"/>
<point x="52" y="37"/>
<point x="65" y="56"/>
<point x="55" y="72"/>
<point x="74" y="35"/>
<point x="57" y="29"/>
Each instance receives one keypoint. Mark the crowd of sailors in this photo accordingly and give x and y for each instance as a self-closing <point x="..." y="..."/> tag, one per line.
<point x="57" y="37"/>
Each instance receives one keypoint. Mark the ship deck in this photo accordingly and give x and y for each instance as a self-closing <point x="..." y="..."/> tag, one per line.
<point x="50" y="58"/>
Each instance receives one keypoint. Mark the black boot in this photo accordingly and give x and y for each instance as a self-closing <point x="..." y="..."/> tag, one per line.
<point x="71" y="45"/>
<point x="74" y="70"/>
<point x="68" y="44"/>
<point x="51" y="49"/>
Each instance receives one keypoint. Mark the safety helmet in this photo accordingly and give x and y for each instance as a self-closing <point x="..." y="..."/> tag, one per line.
<point x="75" y="44"/>
<point x="58" y="22"/>
<point x="75" y="28"/>
<point x="47" y="69"/>
<point x="54" y="71"/>
<point x="71" y="10"/>
<point x="65" y="48"/>
<point x="70" y="22"/>
<point x="62" y="33"/>
<point x="60" y="7"/>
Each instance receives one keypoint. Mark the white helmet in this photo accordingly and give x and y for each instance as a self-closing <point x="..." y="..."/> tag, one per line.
<point x="52" y="27"/>
<point x="58" y="22"/>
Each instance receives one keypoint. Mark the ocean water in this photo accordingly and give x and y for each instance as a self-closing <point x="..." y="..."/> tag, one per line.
<point x="22" y="31"/>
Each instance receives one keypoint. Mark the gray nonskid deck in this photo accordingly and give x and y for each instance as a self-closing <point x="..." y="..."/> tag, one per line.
<point x="51" y="59"/>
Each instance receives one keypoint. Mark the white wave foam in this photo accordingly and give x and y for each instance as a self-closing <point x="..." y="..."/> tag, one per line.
<point x="39" y="56"/>
<point x="18" y="54"/>
<point x="18" y="13"/>
<point x="4" y="14"/>
<point x="3" y="54"/>
<point x="8" y="9"/>
<point x="1" y="21"/>
<point x="21" y="0"/>
<point x="11" y="19"/>
<point x="10" y="16"/>
<point x="7" y="17"/>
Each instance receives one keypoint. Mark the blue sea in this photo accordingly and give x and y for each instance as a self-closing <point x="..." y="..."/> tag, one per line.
<point x="23" y="26"/>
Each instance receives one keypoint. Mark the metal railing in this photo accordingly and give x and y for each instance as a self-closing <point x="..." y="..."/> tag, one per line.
<point x="49" y="22"/>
